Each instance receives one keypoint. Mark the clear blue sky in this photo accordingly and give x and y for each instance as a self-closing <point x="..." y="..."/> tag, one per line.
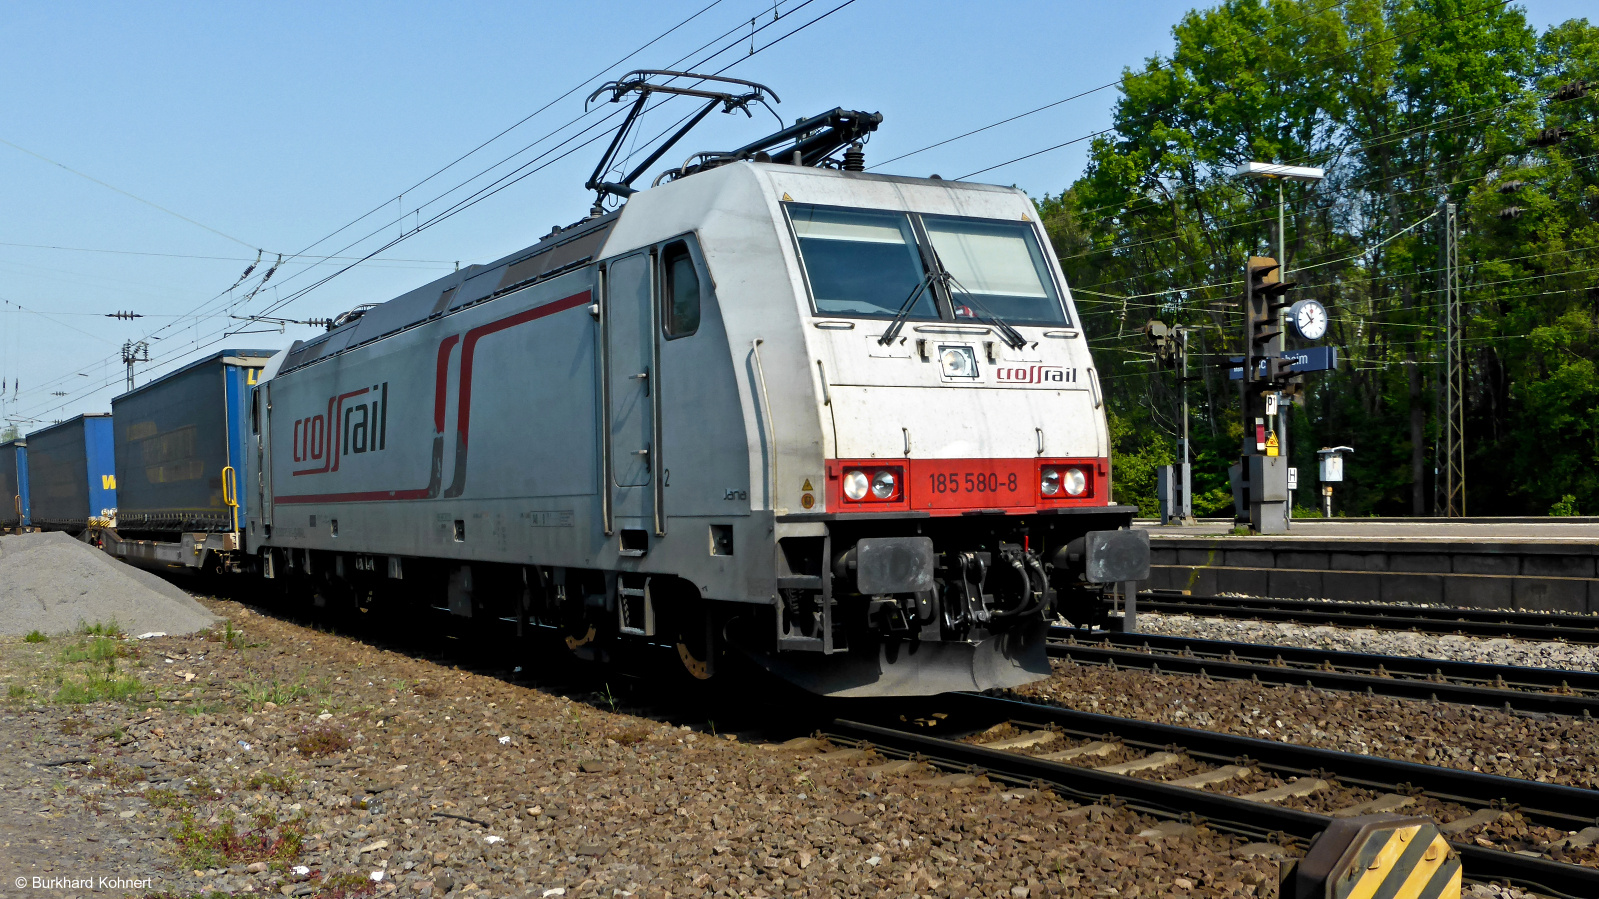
<point x="275" y="124"/>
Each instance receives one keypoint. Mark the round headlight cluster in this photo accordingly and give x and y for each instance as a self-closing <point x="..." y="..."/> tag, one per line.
<point x="872" y="485"/>
<point x="957" y="364"/>
<point x="1053" y="480"/>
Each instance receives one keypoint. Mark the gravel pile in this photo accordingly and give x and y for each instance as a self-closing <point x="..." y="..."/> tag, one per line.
<point x="52" y="583"/>
<point x="354" y="771"/>
<point x="1454" y="647"/>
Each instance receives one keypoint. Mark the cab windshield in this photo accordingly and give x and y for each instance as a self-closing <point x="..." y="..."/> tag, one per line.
<point x="996" y="269"/>
<point x="860" y="262"/>
<point x="868" y="263"/>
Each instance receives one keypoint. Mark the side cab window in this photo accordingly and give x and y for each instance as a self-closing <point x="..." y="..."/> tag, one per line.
<point x="680" y="291"/>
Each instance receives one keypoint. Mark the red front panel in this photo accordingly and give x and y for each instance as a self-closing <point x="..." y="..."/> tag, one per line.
<point x="956" y="486"/>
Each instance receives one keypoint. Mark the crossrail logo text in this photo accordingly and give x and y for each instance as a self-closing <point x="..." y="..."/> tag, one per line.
<point x="355" y="422"/>
<point x="1035" y="374"/>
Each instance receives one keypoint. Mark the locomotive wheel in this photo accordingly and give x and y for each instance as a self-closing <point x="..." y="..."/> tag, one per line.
<point x="696" y="640"/>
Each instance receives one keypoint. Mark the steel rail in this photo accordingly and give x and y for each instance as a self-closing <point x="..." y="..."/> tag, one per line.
<point x="1546" y="803"/>
<point x="1542" y="626"/>
<point x="1464" y="683"/>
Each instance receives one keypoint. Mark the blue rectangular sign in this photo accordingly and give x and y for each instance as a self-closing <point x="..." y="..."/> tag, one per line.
<point x="1316" y="358"/>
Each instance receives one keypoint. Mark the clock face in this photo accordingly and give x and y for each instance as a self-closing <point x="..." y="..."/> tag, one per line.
<point x="1310" y="319"/>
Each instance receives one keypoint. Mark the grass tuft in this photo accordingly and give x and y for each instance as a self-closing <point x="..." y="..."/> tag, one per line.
<point x="100" y="649"/>
<point x="100" y="686"/>
<point x="100" y="629"/>
<point x="34" y="636"/>
<point x="259" y="693"/>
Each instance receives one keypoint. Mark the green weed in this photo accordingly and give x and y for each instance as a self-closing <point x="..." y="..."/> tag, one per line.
<point x="100" y="629"/>
<point x="201" y="845"/>
<point x="100" y="649"/>
<point x="98" y="686"/>
<point x="274" y="691"/>
<point x="227" y="635"/>
<point x="35" y="636"/>
<point x="159" y="798"/>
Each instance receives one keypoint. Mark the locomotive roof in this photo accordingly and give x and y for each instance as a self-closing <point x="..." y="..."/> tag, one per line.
<point x="263" y="355"/>
<point x="560" y="251"/>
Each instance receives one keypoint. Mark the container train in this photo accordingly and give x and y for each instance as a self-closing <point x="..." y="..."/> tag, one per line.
<point x="843" y="424"/>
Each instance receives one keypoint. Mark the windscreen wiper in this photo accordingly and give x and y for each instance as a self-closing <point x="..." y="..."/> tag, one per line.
<point x="1011" y="336"/>
<point x="898" y="323"/>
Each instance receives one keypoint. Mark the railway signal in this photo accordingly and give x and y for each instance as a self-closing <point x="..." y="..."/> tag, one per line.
<point x="1261" y="476"/>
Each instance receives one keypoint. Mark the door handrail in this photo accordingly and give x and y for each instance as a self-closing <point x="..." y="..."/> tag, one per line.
<point x="771" y="428"/>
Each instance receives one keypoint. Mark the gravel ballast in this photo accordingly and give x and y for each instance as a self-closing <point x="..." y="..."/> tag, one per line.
<point x="1453" y="647"/>
<point x="52" y="583"/>
<point x="358" y="771"/>
<point x="1549" y="748"/>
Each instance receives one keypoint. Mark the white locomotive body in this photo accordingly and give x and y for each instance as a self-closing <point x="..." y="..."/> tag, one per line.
<point x="700" y="420"/>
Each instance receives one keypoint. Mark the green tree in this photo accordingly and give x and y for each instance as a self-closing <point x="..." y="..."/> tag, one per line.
<point x="1407" y="104"/>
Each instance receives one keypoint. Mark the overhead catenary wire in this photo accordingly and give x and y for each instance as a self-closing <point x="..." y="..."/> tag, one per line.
<point x="482" y="193"/>
<point x="220" y="296"/>
<point x="133" y="196"/>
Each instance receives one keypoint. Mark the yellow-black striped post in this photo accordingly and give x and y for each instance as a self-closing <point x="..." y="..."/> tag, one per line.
<point x="1377" y="857"/>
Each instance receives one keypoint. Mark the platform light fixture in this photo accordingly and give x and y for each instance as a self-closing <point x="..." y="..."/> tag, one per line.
<point x="1280" y="173"/>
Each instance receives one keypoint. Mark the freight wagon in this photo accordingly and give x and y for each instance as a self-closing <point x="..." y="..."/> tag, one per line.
<point x="180" y="444"/>
<point x="14" y="485"/>
<point x="72" y="479"/>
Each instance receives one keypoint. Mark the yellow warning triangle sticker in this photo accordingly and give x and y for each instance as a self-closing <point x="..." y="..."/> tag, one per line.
<point x="807" y="486"/>
<point x="1026" y="217"/>
<point x="789" y="199"/>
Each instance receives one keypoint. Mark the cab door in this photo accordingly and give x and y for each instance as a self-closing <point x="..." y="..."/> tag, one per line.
<point x="261" y="426"/>
<point x="630" y="374"/>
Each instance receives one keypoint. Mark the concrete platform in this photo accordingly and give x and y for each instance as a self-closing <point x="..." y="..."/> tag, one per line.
<point x="1530" y="564"/>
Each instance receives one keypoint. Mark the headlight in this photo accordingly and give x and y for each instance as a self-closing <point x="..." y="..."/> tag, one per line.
<point x="883" y="485"/>
<point x="1076" y="482"/>
<point x="1049" y="481"/>
<point x="958" y="362"/>
<point x="855" y="485"/>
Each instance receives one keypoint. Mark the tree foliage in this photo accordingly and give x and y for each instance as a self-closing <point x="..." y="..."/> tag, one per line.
<point x="1407" y="105"/>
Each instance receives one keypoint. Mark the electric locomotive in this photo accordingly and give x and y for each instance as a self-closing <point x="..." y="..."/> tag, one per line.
<point x="844" y="424"/>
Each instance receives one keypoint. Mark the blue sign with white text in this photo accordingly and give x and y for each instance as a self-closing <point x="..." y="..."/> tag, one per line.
<point x="1316" y="358"/>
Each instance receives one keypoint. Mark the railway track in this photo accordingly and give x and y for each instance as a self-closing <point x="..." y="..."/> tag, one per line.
<point x="1545" y="626"/>
<point x="1504" y="830"/>
<point x="1516" y="688"/>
